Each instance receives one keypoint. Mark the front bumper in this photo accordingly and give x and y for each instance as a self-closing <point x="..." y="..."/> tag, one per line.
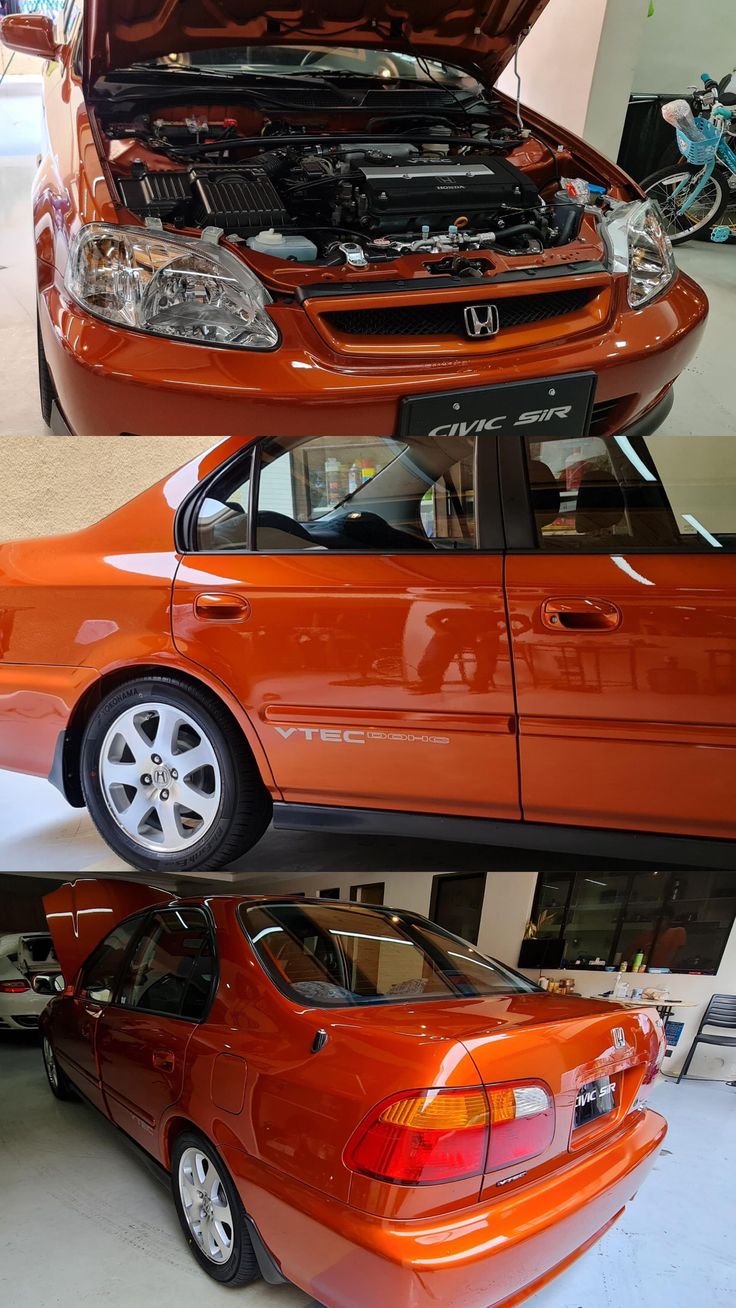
<point x="110" y="381"/>
<point x="491" y="1255"/>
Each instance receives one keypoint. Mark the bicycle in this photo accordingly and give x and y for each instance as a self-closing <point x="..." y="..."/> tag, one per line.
<point x="695" y="194"/>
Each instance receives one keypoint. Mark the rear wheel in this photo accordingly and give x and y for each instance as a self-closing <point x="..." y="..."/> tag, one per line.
<point x="707" y="210"/>
<point x="211" y="1212"/>
<point x="59" y="1083"/>
<point x="169" y="780"/>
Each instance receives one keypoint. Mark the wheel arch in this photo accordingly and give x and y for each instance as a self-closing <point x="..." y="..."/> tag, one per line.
<point x="66" y="770"/>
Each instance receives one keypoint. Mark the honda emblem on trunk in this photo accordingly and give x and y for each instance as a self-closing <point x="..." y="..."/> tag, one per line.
<point x="619" y="1039"/>
<point x="482" y="320"/>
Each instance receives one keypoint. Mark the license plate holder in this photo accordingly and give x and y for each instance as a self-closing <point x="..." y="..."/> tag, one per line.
<point x="595" y="1099"/>
<point x="552" y="406"/>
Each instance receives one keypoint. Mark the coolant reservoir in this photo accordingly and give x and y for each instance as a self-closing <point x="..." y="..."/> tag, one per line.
<point x="284" y="245"/>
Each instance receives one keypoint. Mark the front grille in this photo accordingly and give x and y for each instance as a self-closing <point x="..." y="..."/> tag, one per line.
<point x="447" y="318"/>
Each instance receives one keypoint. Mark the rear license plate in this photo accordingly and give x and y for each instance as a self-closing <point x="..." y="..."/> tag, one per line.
<point x="595" y="1099"/>
<point x="559" y="406"/>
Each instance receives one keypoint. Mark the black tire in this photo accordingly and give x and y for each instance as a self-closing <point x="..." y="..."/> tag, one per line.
<point x="679" y="234"/>
<point x="59" y="1083"/>
<point x="242" y="1266"/>
<point x="244" y="809"/>
<point x="45" y="384"/>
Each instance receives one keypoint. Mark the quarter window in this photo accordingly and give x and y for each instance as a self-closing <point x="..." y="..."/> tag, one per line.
<point x="659" y="492"/>
<point x="171" y="969"/>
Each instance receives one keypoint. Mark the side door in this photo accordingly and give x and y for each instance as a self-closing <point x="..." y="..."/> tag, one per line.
<point x="621" y="586"/>
<point x="350" y="594"/>
<point x="165" y="989"/>
<point x="77" y="1017"/>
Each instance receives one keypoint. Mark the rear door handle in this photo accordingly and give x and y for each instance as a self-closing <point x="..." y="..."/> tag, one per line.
<point x="164" y="1060"/>
<point x="581" y="615"/>
<point x="221" y="606"/>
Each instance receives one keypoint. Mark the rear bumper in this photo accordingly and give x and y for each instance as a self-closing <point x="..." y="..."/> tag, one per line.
<point x="111" y="381"/>
<point x="489" y="1256"/>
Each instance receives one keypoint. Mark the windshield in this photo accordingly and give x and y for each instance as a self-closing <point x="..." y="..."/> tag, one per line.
<point x="302" y="59"/>
<point x="332" y="956"/>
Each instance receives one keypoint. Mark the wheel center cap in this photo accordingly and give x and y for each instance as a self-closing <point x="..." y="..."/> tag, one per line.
<point x="161" y="776"/>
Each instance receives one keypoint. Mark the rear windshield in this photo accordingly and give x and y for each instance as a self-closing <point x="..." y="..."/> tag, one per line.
<point x="332" y="956"/>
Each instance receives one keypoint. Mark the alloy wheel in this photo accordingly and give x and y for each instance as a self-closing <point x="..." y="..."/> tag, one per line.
<point x="49" y="1059"/>
<point x="206" y="1207"/>
<point x="160" y="777"/>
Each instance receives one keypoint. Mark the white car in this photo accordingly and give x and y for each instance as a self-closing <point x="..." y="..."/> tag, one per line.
<point x="28" y="971"/>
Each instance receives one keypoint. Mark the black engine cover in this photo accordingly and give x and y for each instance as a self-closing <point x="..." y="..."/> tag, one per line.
<point x="439" y="191"/>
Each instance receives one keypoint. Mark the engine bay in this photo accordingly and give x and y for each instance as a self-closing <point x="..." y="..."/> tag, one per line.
<point x="307" y="193"/>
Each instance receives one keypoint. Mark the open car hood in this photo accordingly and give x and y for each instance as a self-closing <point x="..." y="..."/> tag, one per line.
<point x="474" y="32"/>
<point x="81" y="913"/>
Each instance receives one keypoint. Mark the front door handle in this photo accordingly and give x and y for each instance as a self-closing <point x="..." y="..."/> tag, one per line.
<point x="221" y="606"/>
<point x="581" y="615"/>
<point x="163" y="1059"/>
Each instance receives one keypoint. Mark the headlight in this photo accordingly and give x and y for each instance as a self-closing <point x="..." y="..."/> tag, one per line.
<point x="189" y="290"/>
<point x="642" y="248"/>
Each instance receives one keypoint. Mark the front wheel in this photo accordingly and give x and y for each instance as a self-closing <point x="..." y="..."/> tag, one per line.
<point x="169" y="780"/>
<point x="672" y="187"/>
<point x="211" y="1212"/>
<point x="59" y="1085"/>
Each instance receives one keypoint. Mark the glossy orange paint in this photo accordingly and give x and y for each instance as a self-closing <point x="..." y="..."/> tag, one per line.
<point x="111" y="381"/>
<point x="334" y="669"/>
<point x="284" y="1116"/>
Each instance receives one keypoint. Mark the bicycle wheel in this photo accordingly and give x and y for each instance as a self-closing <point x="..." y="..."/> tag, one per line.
<point x="712" y="202"/>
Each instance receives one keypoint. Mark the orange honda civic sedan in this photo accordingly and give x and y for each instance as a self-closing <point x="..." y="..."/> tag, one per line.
<point x="349" y="1098"/>
<point x="482" y="638"/>
<point x="252" y="220"/>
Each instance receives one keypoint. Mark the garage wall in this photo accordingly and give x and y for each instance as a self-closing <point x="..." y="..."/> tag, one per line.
<point x="577" y="66"/>
<point x="506" y="910"/>
<point x="56" y="485"/>
<point x="683" y="40"/>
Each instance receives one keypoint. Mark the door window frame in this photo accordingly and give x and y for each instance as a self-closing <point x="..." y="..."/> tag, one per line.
<point x="246" y="463"/>
<point x="521" y="529"/>
<point x="144" y="919"/>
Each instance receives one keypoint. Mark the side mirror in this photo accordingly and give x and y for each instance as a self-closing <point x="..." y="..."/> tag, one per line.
<point x="44" y="985"/>
<point x="59" y="984"/>
<point x="31" y="34"/>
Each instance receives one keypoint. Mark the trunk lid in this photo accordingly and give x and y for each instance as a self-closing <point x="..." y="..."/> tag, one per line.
<point x="481" y="32"/>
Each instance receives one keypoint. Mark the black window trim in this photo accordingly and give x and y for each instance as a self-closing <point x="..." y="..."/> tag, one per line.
<point x="145" y="917"/>
<point x="670" y="875"/>
<point x="520" y="526"/>
<point x="490" y="534"/>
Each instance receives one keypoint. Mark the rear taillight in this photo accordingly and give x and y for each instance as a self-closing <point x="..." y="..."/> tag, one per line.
<point x="522" y="1123"/>
<point x="657" y="1058"/>
<point x="13" y="987"/>
<point x="430" y="1136"/>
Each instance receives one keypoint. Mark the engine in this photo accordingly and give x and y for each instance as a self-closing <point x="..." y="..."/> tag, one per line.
<point x="304" y="203"/>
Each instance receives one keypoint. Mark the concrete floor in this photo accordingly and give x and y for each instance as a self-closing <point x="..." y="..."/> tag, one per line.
<point x="86" y="1224"/>
<point x="704" y="403"/>
<point x="39" y="832"/>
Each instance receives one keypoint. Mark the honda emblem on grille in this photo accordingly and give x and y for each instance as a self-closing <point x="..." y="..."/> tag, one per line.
<point x="482" y="320"/>
<point x="619" y="1039"/>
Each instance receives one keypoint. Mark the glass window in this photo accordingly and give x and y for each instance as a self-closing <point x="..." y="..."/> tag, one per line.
<point x="222" y="517"/>
<point x="662" y="492"/>
<point x="171" y="969"/>
<point x="100" y="974"/>
<point x="335" y="955"/>
<point x="457" y="903"/>
<point x="680" y="921"/>
<point x="372" y="494"/>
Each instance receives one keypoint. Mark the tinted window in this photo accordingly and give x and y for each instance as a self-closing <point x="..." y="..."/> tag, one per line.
<point x="333" y="956"/>
<point x="171" y="969"/>
<point x="662" y="492"/>
<point x="100" y="974"/>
